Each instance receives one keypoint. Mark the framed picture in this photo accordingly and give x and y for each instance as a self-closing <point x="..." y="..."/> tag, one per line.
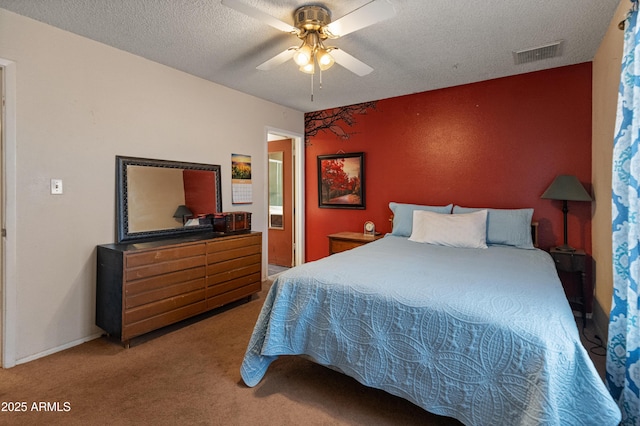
<point x="341" y="181"/>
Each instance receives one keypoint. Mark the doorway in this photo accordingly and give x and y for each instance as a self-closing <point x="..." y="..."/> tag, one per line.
<point x="280" y="220"/>
<point x="284" y="225"/>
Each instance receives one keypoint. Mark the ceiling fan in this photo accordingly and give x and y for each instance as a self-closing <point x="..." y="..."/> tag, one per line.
<point x="313" y="25"/>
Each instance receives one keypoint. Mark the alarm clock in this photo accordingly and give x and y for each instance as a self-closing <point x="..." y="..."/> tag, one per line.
<point x="369" y="228"/>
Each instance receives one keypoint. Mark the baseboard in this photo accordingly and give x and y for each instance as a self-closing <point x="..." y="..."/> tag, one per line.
<point x="600" y="321"/>
<point x="57" y="349"/>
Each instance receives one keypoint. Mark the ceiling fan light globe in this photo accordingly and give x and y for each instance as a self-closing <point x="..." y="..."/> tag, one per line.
<point x="308" y="68"/>
<point x="303" y="55"/>
<point x="325" y="67"/>
<point x="325" y="60"/>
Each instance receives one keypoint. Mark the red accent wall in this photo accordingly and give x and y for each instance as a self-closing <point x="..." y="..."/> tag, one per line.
<point x="497" y="143"/>
<point x="198" y="196"/>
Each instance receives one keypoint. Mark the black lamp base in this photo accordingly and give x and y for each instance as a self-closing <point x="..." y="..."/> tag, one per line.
<point x="565" y="247"/>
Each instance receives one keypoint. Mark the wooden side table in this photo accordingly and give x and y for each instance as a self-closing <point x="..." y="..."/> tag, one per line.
<point x="574" y="262"/>
<point x="347" y="240"/>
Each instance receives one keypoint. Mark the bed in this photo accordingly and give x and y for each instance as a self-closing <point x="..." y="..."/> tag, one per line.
<point x="481" y="334"/>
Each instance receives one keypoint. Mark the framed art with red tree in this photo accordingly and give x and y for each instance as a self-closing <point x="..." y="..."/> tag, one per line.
<point x="341" y="181"/>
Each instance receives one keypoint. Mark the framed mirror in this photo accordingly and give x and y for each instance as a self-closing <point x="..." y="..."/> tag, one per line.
<point x="164" y="199"/>
<point x="276" y="190"/>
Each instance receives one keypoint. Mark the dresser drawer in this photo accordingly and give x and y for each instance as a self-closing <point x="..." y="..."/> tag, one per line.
<point x="162" y="306"/>
<point x="224" y="275"/>
<point x="133" y="288"/>
<point x="336" y="246"/>
<point x="163" y="255"/>
<point x="225" y="286"/>
<point x="164" y="292"/>
<point x="148" y="323"/>
<point x="234" y="243"/>
<point x="343" y="241"/>
<point x="233" y="254"/>
<point x="165" y="267"/>
<point x="230" y="296"/>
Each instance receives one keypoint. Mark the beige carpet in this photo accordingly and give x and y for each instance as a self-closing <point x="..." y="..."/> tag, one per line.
<point x="190" y="374"/>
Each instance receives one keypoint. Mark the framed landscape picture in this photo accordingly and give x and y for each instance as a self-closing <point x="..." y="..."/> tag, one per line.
<point x="341" y="181"/>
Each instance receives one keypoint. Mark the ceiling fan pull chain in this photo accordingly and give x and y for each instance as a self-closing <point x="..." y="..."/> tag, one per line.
<point x="320" y="78"/>
<point x="311" y="87"/>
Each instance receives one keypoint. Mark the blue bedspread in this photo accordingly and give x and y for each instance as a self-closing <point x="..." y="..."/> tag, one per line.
<point x="482" y="335"/>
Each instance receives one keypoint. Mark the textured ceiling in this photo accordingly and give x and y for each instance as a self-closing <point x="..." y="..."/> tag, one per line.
<point x="428" y="44"/>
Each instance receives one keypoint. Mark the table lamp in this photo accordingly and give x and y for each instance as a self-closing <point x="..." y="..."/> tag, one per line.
<point x="566" y="188"/>
<point x="182" y="212"/>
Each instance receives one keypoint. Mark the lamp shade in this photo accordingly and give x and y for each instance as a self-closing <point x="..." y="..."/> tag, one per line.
<point x="303" y="55"/>
<point x="325" y="60"/>
<point x="566" y="187"/>
<point x="182" y="211"/>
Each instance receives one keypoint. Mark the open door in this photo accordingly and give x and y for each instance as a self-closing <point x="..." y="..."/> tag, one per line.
<point x="280" y="220"/>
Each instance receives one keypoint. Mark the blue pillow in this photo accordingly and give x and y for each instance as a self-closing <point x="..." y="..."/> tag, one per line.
<point x="403" y="216"/>
<point x="510" y="227"/>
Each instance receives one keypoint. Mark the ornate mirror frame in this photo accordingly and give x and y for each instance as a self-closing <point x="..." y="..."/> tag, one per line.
<point x="123" y="200"/>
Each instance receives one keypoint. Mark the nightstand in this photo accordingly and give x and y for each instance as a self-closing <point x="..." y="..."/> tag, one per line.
<point x="574" y="262"/>
<point x="347" y="240"/>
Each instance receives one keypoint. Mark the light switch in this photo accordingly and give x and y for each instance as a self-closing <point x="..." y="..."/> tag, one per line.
<point x="56" y="186"/>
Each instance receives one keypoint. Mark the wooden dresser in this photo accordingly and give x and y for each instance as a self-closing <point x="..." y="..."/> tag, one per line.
<point x="145" y="286"/>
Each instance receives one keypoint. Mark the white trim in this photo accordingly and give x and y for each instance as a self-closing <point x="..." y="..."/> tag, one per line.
<point x="9" y="279"/>
<point x="298" y="179"/>
<point x="58" y="348"/>
<point x="298" y="172"/>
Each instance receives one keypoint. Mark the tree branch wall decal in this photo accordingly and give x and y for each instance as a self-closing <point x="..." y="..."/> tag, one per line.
<point x="335" y="120"/>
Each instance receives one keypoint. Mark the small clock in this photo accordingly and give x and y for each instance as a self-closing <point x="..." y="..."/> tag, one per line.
<point x="369" y="228"/>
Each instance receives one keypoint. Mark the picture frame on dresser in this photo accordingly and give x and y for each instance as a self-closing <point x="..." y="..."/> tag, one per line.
<point x="341" y="181"/>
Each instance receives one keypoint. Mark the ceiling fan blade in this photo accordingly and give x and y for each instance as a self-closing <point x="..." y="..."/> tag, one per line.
<point x="349" y="62"/>
<point x="260" y="15"/>
<point x="280" y="58"/>
<point x="369" y="14"/>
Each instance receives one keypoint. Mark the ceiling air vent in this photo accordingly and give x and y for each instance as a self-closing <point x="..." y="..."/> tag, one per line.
<point x="547" y="51"/>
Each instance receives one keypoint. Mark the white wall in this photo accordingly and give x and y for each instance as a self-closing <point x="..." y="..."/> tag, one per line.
<point x="80" y="103"/>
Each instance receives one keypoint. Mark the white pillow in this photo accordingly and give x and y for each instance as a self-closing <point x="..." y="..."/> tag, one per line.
<point x="467" y="230"/>
<point x="403" y="216"/>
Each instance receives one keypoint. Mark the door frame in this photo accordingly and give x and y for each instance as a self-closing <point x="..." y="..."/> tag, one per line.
<point x="298" y="186"/>
<point x="8" y="192"/>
